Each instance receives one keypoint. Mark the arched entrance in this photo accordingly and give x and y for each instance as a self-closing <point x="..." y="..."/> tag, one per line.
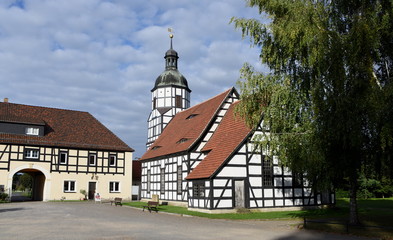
<point x="28" y="185"/>
<point x="40" y="182"/>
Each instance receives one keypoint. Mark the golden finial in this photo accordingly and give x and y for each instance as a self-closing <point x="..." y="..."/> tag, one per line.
<point x="170" y="35"/>
<point x="170" y="30"/>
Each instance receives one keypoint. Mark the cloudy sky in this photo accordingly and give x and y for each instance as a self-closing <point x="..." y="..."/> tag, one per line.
<point x="103" y="56"/>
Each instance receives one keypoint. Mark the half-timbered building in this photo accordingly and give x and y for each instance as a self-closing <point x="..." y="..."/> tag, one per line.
<point x="206" y="159"/>
<point x="65" y="151"/>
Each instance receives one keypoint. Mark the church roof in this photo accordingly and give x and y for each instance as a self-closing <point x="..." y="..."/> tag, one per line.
<point x="63" y="128"/>
<point x="171" y="77"/>
<point x="186" y="128"/>
<point x="229" y="135"/>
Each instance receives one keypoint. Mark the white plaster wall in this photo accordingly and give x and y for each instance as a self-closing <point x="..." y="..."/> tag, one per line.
<point x="233" y="172"/>
<point x="238" y="159"/>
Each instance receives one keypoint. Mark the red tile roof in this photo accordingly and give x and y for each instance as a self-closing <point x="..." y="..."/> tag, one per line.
<point x="231" y="132"/>
<point x="63" y="128"/>
<point x="182" y="132"/>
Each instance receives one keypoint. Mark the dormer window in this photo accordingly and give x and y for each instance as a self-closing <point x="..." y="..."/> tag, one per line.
<point x="155" y="147"/>
<point x="191" y="116"/>
<point x="182" y="140"/>
<point x="32" y="131"/>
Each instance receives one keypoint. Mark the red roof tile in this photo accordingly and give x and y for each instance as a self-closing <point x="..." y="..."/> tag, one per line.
<point x="231" y="132"/>
<point x="63" y="128"/>
<point x="182" y="131"/>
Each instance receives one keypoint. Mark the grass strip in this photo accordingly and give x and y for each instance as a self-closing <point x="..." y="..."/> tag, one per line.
<point x="246" y="215"/>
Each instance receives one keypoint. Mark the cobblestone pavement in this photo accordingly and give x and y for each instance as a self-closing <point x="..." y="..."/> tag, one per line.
<point x="74" y="220"/>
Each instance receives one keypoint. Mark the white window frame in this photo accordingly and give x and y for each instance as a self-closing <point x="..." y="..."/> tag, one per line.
<point x="32" y="131"/>
<point x="114" y="187"/>
<point x="32" y="154"/>
<point x="68" y="189"/>
<point x="114" y="160"/>
<point x="65" y="158"/>
<point x="95" y="159"/>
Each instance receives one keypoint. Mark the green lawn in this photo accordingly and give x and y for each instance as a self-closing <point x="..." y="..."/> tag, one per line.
<point x="312" y="213"/>
<point x="372" y="212"/>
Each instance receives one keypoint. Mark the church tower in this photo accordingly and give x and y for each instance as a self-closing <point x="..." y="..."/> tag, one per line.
<point x="169" y="96"/>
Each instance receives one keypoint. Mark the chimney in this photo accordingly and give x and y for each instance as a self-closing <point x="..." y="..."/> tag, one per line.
<point x="6" y="100"/>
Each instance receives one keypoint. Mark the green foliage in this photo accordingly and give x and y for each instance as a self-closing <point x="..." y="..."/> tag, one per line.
<point x="371" y="188"/>
<point x="368" y="187"/>
<point x="3" y="196"/>
<point x="328" y="100"/>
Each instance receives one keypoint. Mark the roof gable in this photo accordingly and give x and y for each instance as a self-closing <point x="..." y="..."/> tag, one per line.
<point x="226" y="139"/>
<point x="186" y="127"/>
<point x="63" y="128"/>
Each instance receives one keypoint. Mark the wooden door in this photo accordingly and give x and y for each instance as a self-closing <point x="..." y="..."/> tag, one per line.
<point x="92" y="190"/>
<point x="239" y="194"/>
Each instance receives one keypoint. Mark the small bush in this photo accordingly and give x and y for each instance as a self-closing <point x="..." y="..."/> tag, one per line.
<point x="3" y="196"/>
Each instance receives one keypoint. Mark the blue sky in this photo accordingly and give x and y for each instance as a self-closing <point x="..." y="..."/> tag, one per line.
<point x="103" y="56"/>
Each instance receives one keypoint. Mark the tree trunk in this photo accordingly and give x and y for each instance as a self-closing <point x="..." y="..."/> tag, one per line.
<point x="353" y="206"/>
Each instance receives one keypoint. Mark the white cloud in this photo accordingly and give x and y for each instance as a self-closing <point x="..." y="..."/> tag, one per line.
<point x="104" y="56"/>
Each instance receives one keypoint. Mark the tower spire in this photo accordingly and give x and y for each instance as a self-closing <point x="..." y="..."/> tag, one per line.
<point x="169" y="95"/>
<point x="170" y="36"/>
<point x="171" y="55"/>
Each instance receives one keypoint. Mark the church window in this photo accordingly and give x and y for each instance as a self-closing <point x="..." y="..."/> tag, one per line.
<point x="179" y="180"/>
<point x="162" y="181"/>
<point x="297" y="179"/>
<point x="199" y="189"/>
<point x="178" y="101"/>
<point x="267" y="172"/>
<point x="148" y="181"/>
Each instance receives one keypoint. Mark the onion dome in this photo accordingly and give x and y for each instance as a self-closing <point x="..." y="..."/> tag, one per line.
<point x="171" y="76"/>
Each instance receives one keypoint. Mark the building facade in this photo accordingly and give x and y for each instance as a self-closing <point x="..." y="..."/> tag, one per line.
<point x="64" y="151"/>
<point x="206" y="159"/>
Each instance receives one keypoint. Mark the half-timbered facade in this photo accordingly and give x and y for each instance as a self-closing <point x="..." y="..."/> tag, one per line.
<point x="206" y="159"/>
<point x="65" y="151"/>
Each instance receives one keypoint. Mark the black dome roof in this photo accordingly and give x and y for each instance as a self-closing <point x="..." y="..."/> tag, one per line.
<point x="171" y="77"/>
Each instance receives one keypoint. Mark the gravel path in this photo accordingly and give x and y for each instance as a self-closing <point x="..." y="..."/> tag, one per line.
<point x="74" y="220"/>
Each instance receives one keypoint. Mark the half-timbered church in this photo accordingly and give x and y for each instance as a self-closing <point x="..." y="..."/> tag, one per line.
<point x="204" y="158"/>
<point x="64" y="151"/>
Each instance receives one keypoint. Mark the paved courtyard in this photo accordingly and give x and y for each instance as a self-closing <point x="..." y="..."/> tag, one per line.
<point x="68" y="220"/>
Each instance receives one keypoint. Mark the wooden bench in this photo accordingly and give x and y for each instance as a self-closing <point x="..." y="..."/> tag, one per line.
<point x="117" y="201"/>
<point x="151" y="206"/>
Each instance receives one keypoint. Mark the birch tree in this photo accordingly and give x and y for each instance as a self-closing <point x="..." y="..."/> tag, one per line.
<point x="327" y="98"/>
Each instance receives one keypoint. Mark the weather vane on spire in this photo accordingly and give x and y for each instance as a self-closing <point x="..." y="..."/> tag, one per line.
<point x="170" y="30"/>
<point x="170" y="35"/>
